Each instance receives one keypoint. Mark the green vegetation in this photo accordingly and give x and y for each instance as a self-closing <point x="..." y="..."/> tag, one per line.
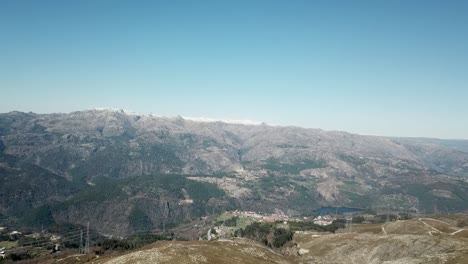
<point x="18" y="256"/>
<point x="383" y="218"/>
<point x="266" y="233"/>
<point x="27" y="186"/>
<point x="7" y="244"/>
<point x="430" y="202"/>
<point x="230" y="222"/>
<point x="111" y="160"/>
<point x="202" y="191"/>
<point x="274" y="164"/>
<point x="355" y="161"/>
<point x="297" y="194"/>
<point x="26" y="241"/>
<point x="281" y="236"/>
<point x="138" y="220"/>
<point x="358" y="219"/>
<point x="305" y="226"/>
<point x="357" y="199"/>
<point x="173" y="184"/>
<point x="39" y="217"/>
<point x="207" y="198"/>
<point x="228" y="218"/>
<point x="132" y="242"/>
<point x="103" y="189"/>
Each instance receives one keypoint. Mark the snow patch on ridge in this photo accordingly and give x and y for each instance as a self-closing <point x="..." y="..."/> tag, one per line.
<point x="230" y="121"/>
<point x="195" y="119"/>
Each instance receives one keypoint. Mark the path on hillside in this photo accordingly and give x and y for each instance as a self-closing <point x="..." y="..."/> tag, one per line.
<point x="437" y="220"/>
<point x="437" y="230"/>
<point x="428" y="225"/>
<point x="383" y="229"/>
<point x="458" y="231"/>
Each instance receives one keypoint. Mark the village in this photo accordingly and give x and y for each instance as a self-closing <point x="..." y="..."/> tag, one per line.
<point x="13" y="240"/>
<point x="322" y="220"/>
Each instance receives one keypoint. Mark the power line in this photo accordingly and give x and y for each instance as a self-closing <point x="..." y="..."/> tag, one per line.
<point x="45" y="242"/>
<point x="42" y="240"/>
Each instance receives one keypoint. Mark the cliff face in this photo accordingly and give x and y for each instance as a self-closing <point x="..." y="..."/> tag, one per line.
<point x="113" y="161"/>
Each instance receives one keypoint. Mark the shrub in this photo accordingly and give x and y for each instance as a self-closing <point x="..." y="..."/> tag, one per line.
<point x="281" y="236"/>
<point x="266" y="233"/>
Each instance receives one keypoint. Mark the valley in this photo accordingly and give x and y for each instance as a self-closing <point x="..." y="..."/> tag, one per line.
<point x="137" y="179"/>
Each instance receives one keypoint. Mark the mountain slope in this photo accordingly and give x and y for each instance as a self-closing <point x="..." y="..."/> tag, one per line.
<point x="114" y="165"/>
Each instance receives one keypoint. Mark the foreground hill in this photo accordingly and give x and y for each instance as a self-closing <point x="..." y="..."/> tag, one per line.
<point x="431" y="239"/>
<point x="125" y="172"/>
<point x="226" y="251"/>
<point x="338" y="249"/>
<point x="421" y="240"/>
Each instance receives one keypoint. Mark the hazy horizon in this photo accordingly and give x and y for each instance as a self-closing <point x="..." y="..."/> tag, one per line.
<point x="369" y="67"/>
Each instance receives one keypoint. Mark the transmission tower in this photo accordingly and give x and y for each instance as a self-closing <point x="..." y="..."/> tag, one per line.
<point x="87" y="240"/>
<point x="81" y="241"/>
<point x="350" y="225"/>
<point x="166" y="213"/>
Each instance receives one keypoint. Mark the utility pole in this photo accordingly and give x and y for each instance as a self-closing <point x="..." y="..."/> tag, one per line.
<point x="87" y="240"/>
<point x="418" y="209"/>
<point x="388" y="214"/>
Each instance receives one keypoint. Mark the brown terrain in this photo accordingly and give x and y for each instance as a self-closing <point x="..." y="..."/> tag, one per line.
<point x="428" y="240"/>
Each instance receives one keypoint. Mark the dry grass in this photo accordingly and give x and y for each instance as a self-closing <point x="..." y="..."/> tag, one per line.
<point x="460" y="259"/>
<point x="408" y="227"/>
<point x="462" y="234"/>
<point x="374" y="248"/>
<point x="367" y="228"/>
<point x="444" y="227"/>
<point x="226" y="252"/>
<point x="408" y="241"/>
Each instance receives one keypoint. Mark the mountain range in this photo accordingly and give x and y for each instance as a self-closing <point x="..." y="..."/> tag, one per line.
<point x="127" y="172"/>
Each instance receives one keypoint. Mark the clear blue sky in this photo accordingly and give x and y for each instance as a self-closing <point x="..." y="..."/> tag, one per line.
<point x="397" y="68"/>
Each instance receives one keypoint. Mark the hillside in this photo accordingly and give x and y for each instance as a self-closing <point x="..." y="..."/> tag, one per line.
<point x="226" y="251"/>
<point x="431" y="239"/>
<point x="125" y="172"/>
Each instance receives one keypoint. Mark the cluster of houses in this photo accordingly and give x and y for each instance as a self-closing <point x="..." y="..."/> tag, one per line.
<point x="324" y="220"/>
<point x="13" y="235"/>
<point x="16" y="235"/>
<point x="262" y="217"/>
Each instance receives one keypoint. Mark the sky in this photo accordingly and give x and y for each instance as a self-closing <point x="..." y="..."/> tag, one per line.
<point x="391" y="68"/>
